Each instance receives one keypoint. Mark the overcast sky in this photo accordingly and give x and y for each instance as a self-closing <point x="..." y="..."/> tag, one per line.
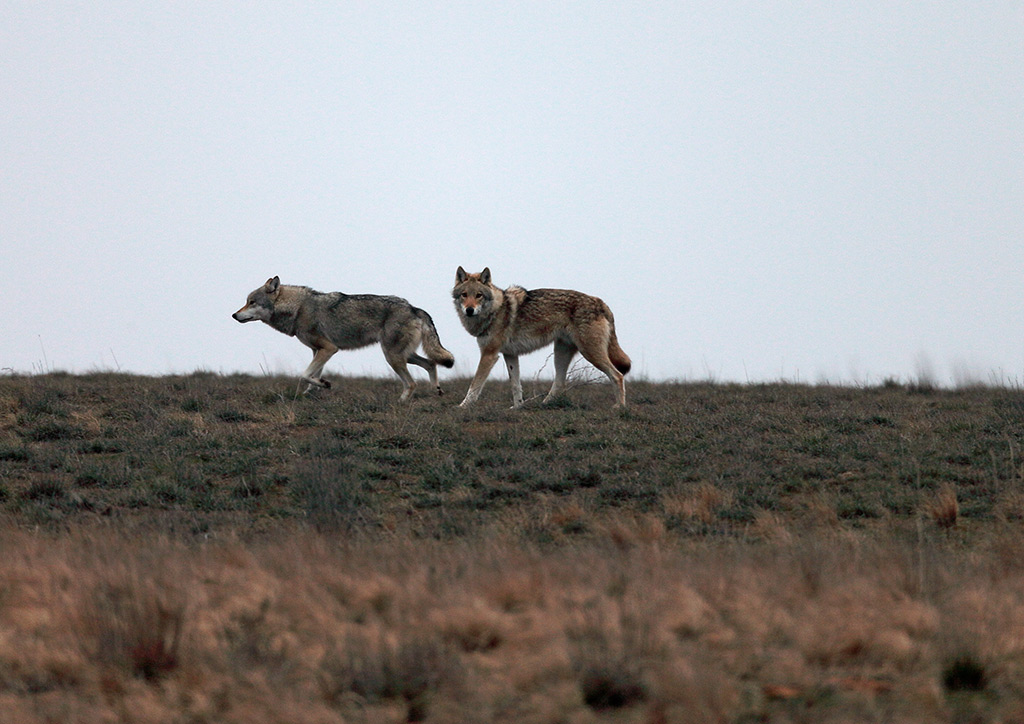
<point x="760" y="191"/>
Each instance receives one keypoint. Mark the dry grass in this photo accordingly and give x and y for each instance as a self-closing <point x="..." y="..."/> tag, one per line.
<point x="207" y="549"/>
<point x="96" y="627"/>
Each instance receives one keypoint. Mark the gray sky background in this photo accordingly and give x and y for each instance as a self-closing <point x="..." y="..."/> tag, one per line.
<point x="760" y="191"/>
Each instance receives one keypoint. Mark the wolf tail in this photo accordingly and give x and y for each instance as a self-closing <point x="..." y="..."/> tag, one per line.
<point x="431" y="342"/>
<point x="619" y="358"/>
<point x="616" y="354"/>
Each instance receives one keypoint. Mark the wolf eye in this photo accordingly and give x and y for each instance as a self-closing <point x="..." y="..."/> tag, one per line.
<point x="464" y="295"/>
<point x="479" y="296"/>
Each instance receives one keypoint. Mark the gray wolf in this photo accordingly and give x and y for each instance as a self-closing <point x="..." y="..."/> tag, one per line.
<point x="515" y="321"/>
<point x="327" y="322"/>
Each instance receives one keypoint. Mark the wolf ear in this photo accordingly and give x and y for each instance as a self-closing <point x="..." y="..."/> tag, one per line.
<point x="485" y="276"/>
<point x="272" y="284"/>
<point x="460" y="275"/>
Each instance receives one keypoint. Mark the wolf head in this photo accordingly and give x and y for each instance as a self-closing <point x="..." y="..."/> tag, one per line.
<point x="473" y="293"/>
<point x="259" y="305"/>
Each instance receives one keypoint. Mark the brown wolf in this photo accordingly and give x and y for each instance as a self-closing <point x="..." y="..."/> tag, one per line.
<point x="515" y="321"/>
<point x="327" y="322"/>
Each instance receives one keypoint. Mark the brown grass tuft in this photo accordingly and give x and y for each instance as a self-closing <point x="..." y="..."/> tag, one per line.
<point x="702" y="503"/>
<point x="943" y="509"/>
<point x="134" y="620"/>
<point x="472" y="628"/>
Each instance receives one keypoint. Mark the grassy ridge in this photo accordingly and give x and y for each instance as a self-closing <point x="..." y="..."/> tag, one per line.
<point x="204" y="548"/>
<point x="198" y="452"/>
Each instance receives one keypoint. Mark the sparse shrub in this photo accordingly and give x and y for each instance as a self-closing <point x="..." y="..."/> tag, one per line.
<point x="90" y="477"/>
<point x="396" y="442"/>
<point x="53" y="430"/>
<point x="100" y="447"/>
<point x="103" y="474"/>
<point x="232" y="415"/>
<point x="561" y="402"/>
<point x="590" y="478"/>
<point x="444" y="476"/>
<point x="964" y="673"/>
<point x="411" y="669"/>
<point x="611" y="685"/>
<point x="44" y="401"/>
<point x="701" y="503"/>
<point x="623" y="494"/>
<point x="473" y="629"/>
<point x="13" y="453"/>
<point x="923" y="385"/>
<point x="272" y="398"/>
<point x="609" y="673"/>
<point x="41" y="490"/>
<point x="858" y="508"/>
<point x="247" y="489"/>
<point x="557" y="485"/>
<point x="136" y="624"/>
<point x="193" y="404"/>
<point x="168" y="492"/>
<point x="177" y="428"/>
<point x="943" y="509"/>
<point x="739" y="513"/>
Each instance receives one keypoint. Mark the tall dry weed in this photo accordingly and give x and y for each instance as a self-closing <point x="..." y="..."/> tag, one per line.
<point x="132" y="614"/>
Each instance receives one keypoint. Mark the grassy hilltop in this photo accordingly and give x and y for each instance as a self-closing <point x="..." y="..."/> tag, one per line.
<point x="204" y="548"/>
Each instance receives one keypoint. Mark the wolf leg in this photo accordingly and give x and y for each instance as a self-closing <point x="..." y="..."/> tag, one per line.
<point x="593" y="344"/>
<point x="564" y="352"/>
<point x="616" y="377"/>
<point x="402" y="370"/>
<point x="430" y="366"/>
<point x="487" y="360"/>
<point x="312" y="376"/>
<point x="512" y="362"/>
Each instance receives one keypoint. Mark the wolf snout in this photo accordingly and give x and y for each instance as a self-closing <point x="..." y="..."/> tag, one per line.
<point x="470" y="311"/>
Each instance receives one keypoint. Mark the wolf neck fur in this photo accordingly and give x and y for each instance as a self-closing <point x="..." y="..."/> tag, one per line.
<point x="285" y="315"/>
<point x="504" y="306"/>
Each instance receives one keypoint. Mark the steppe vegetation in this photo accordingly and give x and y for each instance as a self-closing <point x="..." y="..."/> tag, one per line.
<point x="209" y="548"/>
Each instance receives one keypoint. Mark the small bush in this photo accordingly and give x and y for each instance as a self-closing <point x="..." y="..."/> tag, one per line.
<point x="944" y="509"/>
<point x="100" y="447"/>
<point x="230" y="415"/>
<point x="964" y="673"/>
<point x="53" y="430"/>
<point x="42" y="490"/>
<point x="411" y="669"/>
<point x="45" y="401"/>
<point x="137" y="627"/>
<point x="105" y="475"/>
<point x="586" y="478"/>
<point x="607" y="686"/>
<point x="13" y="453"/>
